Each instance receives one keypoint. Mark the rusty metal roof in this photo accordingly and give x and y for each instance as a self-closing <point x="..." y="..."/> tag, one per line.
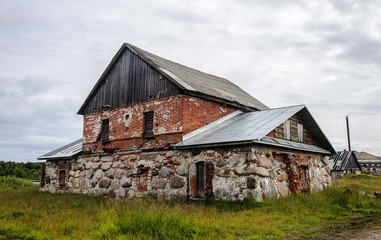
<point x="66" y="152"/>
<point x="197" y="81"/>
<point x="243" y="128"/>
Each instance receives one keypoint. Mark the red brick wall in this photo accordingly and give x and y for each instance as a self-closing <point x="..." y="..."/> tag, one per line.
<point x="198" y="113"/>
<point x="173" y="117"/>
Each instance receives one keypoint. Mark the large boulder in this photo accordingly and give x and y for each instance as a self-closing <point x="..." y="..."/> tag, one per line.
<point x="165" y="172"/>
<point x="283" y="189"/>
<point x="104" y="183"/>
<point x="176" y="182"/>
<point x="264" y="162"/>
<point x="269" y="188"/>
<point x="259" y="171"/>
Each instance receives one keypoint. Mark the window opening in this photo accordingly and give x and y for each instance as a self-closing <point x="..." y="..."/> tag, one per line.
<point x="300" y="132"/>
<point x="148" y="124"/>
<point x="105" y="130"/>
<point x="287" y="130"/>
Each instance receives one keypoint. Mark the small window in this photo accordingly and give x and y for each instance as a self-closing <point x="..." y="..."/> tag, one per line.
<point x="105" y="130"/>
<point x="300" y="132"/>
<point x="287" y="130"/>
<point x="148" y="124"/>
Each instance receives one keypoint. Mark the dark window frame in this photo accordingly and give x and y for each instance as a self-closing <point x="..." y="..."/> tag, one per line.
<point x="105" y="130"/>
<point x="149" y="117"/>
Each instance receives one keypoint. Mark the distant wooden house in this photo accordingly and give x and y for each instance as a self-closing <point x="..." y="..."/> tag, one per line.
<point x="369" y="163"/>
<point x="343" y="163"/>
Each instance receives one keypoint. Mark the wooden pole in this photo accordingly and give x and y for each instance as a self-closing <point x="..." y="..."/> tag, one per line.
<point x="349" y="138"/>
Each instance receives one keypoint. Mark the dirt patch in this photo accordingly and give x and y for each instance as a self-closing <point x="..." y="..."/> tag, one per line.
<point x="356" y="227"/>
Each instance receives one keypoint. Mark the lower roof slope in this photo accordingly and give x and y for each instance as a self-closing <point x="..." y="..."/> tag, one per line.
<point x="66" y="152"/>
<point x="243" y="128"/>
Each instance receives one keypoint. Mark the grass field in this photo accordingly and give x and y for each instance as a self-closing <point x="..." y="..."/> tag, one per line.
<point x="26" y="213"/>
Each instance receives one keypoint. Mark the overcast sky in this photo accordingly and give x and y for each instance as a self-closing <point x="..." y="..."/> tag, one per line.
<point x="325" y="54"/>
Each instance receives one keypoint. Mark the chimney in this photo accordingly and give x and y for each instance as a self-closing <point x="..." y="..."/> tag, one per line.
<point x="349" y="138"/>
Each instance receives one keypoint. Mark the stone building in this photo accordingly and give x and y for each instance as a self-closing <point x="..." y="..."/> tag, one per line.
<point x="155" y="127"/>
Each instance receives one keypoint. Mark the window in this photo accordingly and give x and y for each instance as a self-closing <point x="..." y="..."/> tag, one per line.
<point x="105" y="130"/>
<point x="148" y="124"/>
<point x="293" y="131"/>
<point x="287" y="130"/>
<point x="300" y="132"/>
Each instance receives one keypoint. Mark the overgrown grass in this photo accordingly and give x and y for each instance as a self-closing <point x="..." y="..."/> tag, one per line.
<point x="11" y="181"/>
<point x="26" y="213"/>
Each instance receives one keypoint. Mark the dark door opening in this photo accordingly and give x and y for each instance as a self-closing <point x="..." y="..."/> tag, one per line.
<point x="305" y="180"/>
<point x="200" y="179"/>
<point x="61" y="178"/>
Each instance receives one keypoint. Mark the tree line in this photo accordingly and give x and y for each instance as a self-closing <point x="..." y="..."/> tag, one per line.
<point x="29" y="170"/>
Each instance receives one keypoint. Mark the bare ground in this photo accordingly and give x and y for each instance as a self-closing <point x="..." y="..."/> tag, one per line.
<point x="357" y="227"/>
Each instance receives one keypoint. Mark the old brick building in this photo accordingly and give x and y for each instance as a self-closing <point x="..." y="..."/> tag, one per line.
<point x="155" y="127"/>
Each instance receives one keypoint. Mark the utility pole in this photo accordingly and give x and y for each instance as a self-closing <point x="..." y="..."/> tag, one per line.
<point x="349" y="138"/>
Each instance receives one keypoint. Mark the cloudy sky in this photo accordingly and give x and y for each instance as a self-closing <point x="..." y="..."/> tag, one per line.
<point x="326" y="54"/>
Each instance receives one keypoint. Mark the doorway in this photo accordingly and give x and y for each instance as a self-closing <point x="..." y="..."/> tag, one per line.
<point x="200" y="173"/>
<point x="305" y="179"/>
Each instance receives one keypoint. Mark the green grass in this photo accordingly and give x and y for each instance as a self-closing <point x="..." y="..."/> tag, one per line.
<point x="26" y="213"/>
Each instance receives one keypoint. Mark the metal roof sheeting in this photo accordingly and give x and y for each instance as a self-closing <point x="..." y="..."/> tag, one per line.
<point x="66" y="152"/>
<point x="195" y="80"/>
<point x="343" y="160"/>
<point x="253" y="127"/>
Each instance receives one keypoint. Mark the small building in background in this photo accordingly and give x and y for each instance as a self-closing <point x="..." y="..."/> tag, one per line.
<point x="343" y="163"/>
<point x="369" y="163"/>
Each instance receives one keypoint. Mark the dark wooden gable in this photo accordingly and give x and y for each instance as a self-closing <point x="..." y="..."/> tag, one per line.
<point x="129" y="79"/>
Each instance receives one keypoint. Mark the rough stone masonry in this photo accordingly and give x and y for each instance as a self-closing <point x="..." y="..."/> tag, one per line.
<point x="231" y="173"/>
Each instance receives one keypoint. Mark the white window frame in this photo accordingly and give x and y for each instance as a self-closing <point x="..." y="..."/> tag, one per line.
<point x="300" y="132"/>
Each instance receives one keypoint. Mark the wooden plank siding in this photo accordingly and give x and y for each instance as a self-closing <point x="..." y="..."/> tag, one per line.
<point x="131" y="80"/>
<point x="278" y="132"/>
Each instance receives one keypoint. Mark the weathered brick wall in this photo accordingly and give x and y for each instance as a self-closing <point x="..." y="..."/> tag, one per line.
<point x="173" y="117"/>
<point x="199" y="112"/>
<point x="230" y="173"/>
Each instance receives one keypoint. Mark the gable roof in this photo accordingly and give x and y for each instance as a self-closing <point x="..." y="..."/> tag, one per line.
<point x="343" y="160"/>
<point x="190" y="80"/>
<point x="366" y="156"/>
<point x="252" y="127"/>
<point x="66" y="152"/>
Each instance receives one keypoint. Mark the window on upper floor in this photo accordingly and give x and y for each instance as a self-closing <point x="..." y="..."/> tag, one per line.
<point x="293" y="131"/>
<point x="148" y="124"/>
<point x="105" y="130"/>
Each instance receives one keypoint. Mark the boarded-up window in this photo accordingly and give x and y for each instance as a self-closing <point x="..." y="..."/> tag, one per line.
<point x="300" y="132"/>
<point x="287" y="130"/>
<point x="148" y="124"/>
<point x="105" y="130"/>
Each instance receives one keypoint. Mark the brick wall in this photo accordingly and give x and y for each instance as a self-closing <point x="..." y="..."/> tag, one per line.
<point x="173" y="117"/>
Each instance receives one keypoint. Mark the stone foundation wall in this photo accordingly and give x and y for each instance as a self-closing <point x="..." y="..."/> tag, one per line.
<point x="228" y="173"/>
